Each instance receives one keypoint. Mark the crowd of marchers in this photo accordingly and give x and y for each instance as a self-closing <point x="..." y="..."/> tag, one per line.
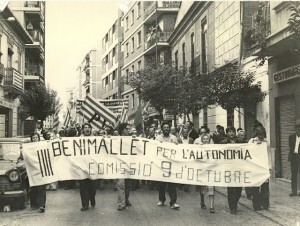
<point x="163" y="133"/>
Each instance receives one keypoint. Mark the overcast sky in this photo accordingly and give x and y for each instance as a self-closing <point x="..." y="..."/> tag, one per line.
<point x="72" y="29"/>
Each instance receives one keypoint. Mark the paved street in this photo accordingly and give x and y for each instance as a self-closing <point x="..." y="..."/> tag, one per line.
<point x="63" y="208"/>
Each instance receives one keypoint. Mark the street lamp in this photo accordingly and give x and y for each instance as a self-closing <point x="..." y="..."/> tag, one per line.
<point x="11" y="18"/>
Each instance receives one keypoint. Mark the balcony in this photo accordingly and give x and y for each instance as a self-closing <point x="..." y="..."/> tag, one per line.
<point x="34" y="4"/>
<point x="160" y="7"/>
<point x="159" y="38"/>
<point x="13" y="81"/>
<point x="35" y="35"/>
<point x="1" y="72"/>
<point x="261" y="27"/>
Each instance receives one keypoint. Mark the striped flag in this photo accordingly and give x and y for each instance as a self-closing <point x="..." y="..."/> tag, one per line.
<point x="123" y="117"/>
<point x="78" y="106"/>
<point x="55" y="120"/>
<point x="67" y="118"/>
<point x="96" y="113"/>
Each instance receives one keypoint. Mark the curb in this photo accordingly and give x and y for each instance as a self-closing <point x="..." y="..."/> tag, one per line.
<point x="248" y="204"/>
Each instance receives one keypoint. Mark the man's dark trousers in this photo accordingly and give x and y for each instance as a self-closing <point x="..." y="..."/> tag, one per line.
<point x="234" y="194"/>
<point x="171" y="190"/>
<point x="295" y="162"/>
<point x="87" y="192"/>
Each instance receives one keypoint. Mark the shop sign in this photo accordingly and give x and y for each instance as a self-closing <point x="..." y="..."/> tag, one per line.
<point x="287" y="74"/>
<point x="6" y="104"/>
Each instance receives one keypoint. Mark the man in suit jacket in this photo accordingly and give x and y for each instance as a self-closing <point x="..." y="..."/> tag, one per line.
<point x="294" y="157"/>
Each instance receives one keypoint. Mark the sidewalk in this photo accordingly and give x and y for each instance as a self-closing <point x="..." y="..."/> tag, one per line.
<point x="284" y="210"/>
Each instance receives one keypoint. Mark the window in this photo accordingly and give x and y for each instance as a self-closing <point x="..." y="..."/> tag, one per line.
<point x="193" y="66"/>
<point x="126" y="24"/>
<point x="132" y="16"/>
<point x="139" y="38"/>
<point x="132" y="45"/>
<point x="183" y="55"/>
<point x="106" y="80"/>
<point x="138" y="9"/>
<point x="203" y="45"/>
<point x="127" y="49"/>
<point x="9" y="57"/>
<point x="132" y="68"/>
<point x="176" y="60"/>
<point x="139" y="65"/>
<point x="106" y="59"/>
<point x="127" y="75"/>
<point x="113" y="29"/>
<point x="133" y="101"/>
<point x="20" y="62"/>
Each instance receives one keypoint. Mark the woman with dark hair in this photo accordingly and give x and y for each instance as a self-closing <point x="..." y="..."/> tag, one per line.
<point x="37" y="193"/>
<point x="234" y="193"/>
<point x="261" y="194"/>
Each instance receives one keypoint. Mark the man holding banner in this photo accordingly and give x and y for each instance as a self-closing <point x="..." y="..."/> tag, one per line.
<point x="167" y="137"/>
<point x="87" y="186"/>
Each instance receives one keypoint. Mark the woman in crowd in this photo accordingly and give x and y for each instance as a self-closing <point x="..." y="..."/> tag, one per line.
<point x="234" y="193"/>
<point x="206" y="139"/>
<point x="37" y="193"/>
<point x="260" y="195"/>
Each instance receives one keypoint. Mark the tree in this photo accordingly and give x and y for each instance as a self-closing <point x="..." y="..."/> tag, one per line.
<point x="182" y="93"/>
<point x="233" y="87"/>
<point x="39" y="102"/>
<point x="294" y="27"/>
<point x="167" y="88"/>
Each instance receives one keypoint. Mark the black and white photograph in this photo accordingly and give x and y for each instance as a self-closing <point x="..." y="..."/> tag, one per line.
<point x="122" y="112"/>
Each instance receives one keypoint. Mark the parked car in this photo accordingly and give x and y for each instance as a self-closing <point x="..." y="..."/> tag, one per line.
<point x="14" y="183"/>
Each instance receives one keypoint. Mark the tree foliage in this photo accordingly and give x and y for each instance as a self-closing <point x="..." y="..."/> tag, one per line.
<point x="180" y="92"/>
<point x="294" y="26"/>
<point x="167" y="88"/>
<point x="231" y="87"/>
<point x="39" y="102"/>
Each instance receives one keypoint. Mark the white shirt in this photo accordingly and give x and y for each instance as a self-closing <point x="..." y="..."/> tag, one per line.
<point x="297" y="144"/>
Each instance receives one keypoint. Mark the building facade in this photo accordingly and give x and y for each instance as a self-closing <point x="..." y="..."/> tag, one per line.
<point x="13" y="39"/>
<point x="147" y="26"/>
<point x="209" y="36"/>
<point x="112" y="60"/>
<point x="31" y="15"/>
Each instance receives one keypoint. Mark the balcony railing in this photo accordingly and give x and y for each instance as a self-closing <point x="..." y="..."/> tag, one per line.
<point x="35" y="35"/>
<point x="35" y="4"/>
<point x="154" y="38"/>
<point x="161" y="5"/>
<point x="13" y="78"/>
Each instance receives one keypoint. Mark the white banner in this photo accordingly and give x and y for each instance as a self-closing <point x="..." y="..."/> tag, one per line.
<point x="229" y="165"/>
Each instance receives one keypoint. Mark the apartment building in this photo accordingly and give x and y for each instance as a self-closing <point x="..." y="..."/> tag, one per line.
<point x="208" y="36"/>
<point x="13" y="39"/>
<point x="31" y="15"/>
<point x="147" y="26"/>
<point x="112" y="60"/>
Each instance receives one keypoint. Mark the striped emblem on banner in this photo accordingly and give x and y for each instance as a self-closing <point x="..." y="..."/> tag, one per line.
<point x="45" y="163"/>
<point x="96" y="113"/>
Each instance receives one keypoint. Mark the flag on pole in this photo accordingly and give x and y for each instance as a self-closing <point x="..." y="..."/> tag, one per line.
<point x="96" y="113"/>
<point x="67" y="118"/>
<point x="55" y="120"/>
<point x="78" y="106"/>
<point x="123" y="117"/>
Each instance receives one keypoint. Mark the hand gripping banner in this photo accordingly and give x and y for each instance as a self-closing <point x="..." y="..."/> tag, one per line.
<point x="229" y="165"/>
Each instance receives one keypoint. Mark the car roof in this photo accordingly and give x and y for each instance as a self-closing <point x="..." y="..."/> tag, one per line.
<point x="15" y="140"/>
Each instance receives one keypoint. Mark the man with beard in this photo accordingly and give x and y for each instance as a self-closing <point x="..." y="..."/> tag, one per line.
<point x="167" y="137"/>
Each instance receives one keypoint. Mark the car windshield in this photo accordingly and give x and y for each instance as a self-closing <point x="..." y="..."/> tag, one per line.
<point x="10" y="151"/>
